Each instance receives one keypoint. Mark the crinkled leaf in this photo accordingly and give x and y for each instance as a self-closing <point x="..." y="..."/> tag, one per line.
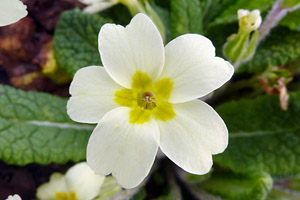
<point x="186" y="17"/>
<point x="34" y="128"/>
<point x="281" y="47"/>
<point x="262" y="136"/>
<point x="76" y="40"/>
<point x="239" y="187"/>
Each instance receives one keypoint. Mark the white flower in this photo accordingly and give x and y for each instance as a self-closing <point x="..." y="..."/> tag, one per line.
<point x="249" y="21"/>
<point x="14" y="197"/>
<point x="94" y="6"/>
<point x="79" y="183"/>
<point x="11" y="11"/>
<point x="145" y="98"/>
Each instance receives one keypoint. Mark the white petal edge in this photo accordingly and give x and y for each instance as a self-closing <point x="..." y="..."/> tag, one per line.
<point x="57" y="183"/>
<point x="192" y="65"/>
<point x="11" y="11"/>
<point x="83" y="181"/>
<point x="195" y="133"/>
<point x="92" y="92"/>
<point x="125" y="150"/>
<point x="14" y="197"/>
<point x="137" y="47"/>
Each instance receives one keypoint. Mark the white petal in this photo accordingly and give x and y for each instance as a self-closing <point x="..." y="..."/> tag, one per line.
<point x="255" y="17"/>
<point x="195" y="133"/>
<point x="14" y="197"/>
<point x="99" y="6"/>
<point x="11" y="11"/>
<point x="92" y="93"/>
<point x="126" y="150"/>
<point x="56" y="184"/>
<point x="206" y="120"/>
<point x="192" y="65"/>
<point x="83" y="181"/>
<point x="138" y="47"/>
<point x="242" y="13"/>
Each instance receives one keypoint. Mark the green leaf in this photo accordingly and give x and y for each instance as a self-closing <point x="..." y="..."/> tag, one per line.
<point x="239" y="187"/>
<point x="291" y="20"/>
<point x="262" y="136"/>
<point x="289" y="3"/>
<point x="76" y="40"/>
<point x="212" y="9"/>
<point x="286" y="189"/>
<point x="34" y="128"/>
<point x="186" y="17"/>
<point x="281" y="47"/>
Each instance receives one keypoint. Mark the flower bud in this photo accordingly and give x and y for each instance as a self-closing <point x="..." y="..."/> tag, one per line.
<point x="241" y="46"/>
<point x="249" y="21"/>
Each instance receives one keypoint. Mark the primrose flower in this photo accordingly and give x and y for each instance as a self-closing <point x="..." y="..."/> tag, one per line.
<point x="94" y="6"/>
<point x="144" y="98"/>
<point x="14" y="197"/>
<point x="249" y="21"/>
<point x="79" y="183"/>
<point x="11" y="11"/>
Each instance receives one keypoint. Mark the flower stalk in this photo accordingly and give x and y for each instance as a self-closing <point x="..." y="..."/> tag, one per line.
<point x="241" y="46"/>
<point x="279" y="10"/>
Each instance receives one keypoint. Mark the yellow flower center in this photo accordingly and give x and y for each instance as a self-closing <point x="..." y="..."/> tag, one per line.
<point x="66" y="196"/>
<point x="147" y="99"/>
<point x="247" y="21"/>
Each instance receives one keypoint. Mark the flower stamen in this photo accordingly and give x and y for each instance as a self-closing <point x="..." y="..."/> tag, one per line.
<point x="147" y="101"/>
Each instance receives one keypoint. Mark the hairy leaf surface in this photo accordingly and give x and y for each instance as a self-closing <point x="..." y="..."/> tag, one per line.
<point x="76" y="40"/>
<point x="35" y="127"/>
<point x="262" y="136"/>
